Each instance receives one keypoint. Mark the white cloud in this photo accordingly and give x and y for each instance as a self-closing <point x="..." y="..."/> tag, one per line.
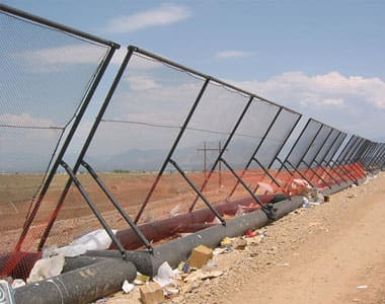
<point x="327" y="90"/>
<point x="232" y="54"/>
<point x="138" y="83"/>
<point x="54" y="59"/>
<point x="25" y="120"/>
<point x="352" y="103"/>
<point x="57" y="58"/>
<point x="163" y="15"/>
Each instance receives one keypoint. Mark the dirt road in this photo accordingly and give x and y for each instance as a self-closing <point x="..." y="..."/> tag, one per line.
<point x="332" y="253"/>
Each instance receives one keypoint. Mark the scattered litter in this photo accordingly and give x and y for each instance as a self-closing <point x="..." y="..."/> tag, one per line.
<point x="200" y="256"/>
<point x="250" y="233"/>
<point x="284" y="264"/>
<point x="170" y="291"/>
<point x="177" y="210"/>
<point x="184" y="267"/>
<point x="242" y="209"/>
<point x="127" y="287"/>
<point x="151" y="293"/>
<point x="314" y="195"/>
<point x="312" y="199"/>
<point x="306" y="203"/>
<point x="298" y="187"/>
<point x="226" y="242"/>
<point x="46" y="268"/>
<point x="166" y="276"/>
<point x="239" y="244"/>
<point x="255" y="240"/>
<point x="190" y="286"/>
<point x="362" y="287"/>
<point x="216" y="221"/>
<point x="203" y="275"/>
<point x="18" y="283"/>
<point x="266" y="187"/>
<point x="95" y="240"/>
<point x="219" y="251"/>
<point x="141" y="279"/>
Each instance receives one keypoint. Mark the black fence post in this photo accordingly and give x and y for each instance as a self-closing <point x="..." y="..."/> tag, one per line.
<point x="223" y="150"/>
<point x="86" y="100"/>
<point x="85" y="147"/>
<point x="171" y="152"/>
<point x="255" y="151"/>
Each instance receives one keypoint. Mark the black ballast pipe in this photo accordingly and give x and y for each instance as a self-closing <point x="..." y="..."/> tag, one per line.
<point x="100" y="273"/>
<point x="179" y="250"/>
<point x="79" y="286"/>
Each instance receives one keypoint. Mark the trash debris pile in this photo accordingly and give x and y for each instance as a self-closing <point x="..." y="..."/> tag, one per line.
<point x="200" y="267"/>
<point x="168" y="283"/>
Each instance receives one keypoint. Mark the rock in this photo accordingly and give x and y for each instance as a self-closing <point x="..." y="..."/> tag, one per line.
<point x="191" y="286"/>
<point x="239" y="244"/>
<point x="255" y="240"/>
<point x="203" y="275"/>
<point x="171" y="291"/>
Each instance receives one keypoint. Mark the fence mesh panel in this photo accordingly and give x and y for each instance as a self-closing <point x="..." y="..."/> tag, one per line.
<point x="44" y="75"/>
<point x="138" y="128"/>
<point x="154" y="126"/>
<point x="348" y="148"/>
<point x="277" y="137"/>
<point x="315" y="147"/>
<point x="301" y="146"/>
<point x="212" y="122"/>
<point x="327" y="147"/>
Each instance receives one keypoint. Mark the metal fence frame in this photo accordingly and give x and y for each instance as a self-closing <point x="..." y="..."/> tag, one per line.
<point x="56" y="161"/>
<point x="133" y="223"/>
<point x="357" y="150"/>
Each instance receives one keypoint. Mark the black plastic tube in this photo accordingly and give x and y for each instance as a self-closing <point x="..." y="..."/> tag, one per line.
<point x="79" y="286"/>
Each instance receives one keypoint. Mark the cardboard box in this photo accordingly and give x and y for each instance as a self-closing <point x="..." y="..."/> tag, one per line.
<point x="200" y="256"/>
<point x="151" y="293"/>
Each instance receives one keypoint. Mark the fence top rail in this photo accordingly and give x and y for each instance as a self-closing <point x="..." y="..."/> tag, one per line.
<point x="205" y="76"/>
<point x="27" y="16"/>
<point x="324" y="124"/>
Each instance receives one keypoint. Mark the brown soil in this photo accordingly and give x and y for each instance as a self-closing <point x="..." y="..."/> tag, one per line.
<point x="316" y="255"/>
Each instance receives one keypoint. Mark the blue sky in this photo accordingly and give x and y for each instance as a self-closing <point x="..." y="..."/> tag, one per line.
<point x="276" y="36"/>
<point x="322" y="58"/>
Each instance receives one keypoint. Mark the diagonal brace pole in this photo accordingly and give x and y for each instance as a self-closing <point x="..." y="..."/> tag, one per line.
<point x="116" y="204"/>
<point x="327" y="173"/>
<point x="92" y="206"/>
<point x="198" y="192"/>
<point x="266" y="209"/>
<point x="273" y="179"/>
<point x="315" y="173"/>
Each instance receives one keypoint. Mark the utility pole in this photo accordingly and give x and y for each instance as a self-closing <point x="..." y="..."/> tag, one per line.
<point x="205" y="150"/>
